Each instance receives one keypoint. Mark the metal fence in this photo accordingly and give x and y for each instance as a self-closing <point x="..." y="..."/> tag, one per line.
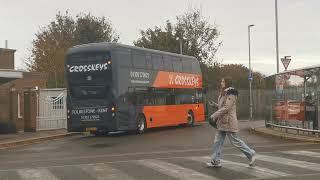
<point x="52" y="109"/>
<point x="259" y="103"/>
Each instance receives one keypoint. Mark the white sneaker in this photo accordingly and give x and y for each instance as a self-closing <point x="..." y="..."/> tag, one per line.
<point x="214" y="164"/>
<point x="252" y="159"/>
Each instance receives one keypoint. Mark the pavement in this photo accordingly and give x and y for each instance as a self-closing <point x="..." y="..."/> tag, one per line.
<point x="8" y="141"/>
<point x="278" y="133"/>
<point x="260" y="129"/>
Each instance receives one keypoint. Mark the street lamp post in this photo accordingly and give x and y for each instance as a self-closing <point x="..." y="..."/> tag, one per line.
<point x="180" y="40"/>
<point x="250" y="77"/>
<point x="277" y="36"/>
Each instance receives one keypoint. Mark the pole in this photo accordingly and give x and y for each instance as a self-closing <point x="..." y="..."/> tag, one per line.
<point x="250" y="78"/>
<point x="55" y="78"/>
<point x="277" y="36"/>
<point x="180" y="40"/>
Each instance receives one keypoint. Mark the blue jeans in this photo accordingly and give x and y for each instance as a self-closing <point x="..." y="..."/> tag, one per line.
<point x="235" y="141"/>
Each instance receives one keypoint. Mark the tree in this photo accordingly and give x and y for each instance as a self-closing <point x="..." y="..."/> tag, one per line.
<point x="239" y="73"/>
<point x="52" y="42"/>
<point x="159" y="39"/>
<point x="199" y="37"/>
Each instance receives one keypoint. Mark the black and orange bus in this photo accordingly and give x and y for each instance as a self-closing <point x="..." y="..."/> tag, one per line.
<point x="115" y="87"/>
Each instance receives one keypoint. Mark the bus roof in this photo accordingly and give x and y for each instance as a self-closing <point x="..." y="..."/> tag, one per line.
<point x="105" y="45"/>
<point x="298" y="69"/>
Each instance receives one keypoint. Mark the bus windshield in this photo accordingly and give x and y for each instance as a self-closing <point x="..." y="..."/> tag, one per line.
<point x="89" y="75"/>
<point x="89" y="92"/>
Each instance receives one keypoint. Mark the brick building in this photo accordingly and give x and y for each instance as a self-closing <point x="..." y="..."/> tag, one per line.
<point x="13" y="87"/>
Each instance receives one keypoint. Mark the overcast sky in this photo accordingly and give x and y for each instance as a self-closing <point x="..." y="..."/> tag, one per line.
<point x="299" y="27"/>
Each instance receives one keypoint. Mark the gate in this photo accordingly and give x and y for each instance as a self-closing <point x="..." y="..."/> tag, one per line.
<point x="52" y="109"/>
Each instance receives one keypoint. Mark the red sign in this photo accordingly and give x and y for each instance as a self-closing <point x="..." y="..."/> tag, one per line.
<point x="286" y="61"/>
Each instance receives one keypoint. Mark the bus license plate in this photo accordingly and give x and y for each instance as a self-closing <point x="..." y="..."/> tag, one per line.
<point x="91" y="129"/>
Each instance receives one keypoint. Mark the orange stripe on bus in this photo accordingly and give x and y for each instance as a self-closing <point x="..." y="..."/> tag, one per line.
<point x="177" y="80"/>
<point x="171" y="115"/>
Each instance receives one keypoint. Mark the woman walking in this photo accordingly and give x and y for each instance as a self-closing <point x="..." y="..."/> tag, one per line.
<point x="225" y="120"/>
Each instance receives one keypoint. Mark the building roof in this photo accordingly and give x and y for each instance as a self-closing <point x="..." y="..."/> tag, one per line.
<point x="7" y="75"/>
<point x="298" y="69"/>
<point x="7" y="50"/>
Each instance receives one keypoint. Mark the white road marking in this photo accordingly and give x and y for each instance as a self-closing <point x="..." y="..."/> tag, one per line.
<point x="36" y="174"/>
<point x="289" y="162"/>
<point x="104" y="171"/>
<point x="244" y="168"/>
<point x="175" y="171"/>
<point x="303" y="153"/>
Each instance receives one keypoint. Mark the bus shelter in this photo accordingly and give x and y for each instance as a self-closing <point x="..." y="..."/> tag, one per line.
<point x="294" y="98"/>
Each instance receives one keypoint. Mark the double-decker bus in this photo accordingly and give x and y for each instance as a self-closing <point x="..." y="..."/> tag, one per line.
<point x="115" y="87"/>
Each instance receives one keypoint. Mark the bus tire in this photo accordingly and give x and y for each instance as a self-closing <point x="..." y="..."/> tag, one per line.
<point x="141" y="124"/>
<point x="190" y="121"/>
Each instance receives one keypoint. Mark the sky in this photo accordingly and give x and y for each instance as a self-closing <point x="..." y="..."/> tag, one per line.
<point x="299" y="27"/>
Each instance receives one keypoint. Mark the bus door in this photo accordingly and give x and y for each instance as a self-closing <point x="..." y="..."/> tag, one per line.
<point x="126" y="110"/>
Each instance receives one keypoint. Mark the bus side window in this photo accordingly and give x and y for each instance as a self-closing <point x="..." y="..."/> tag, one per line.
<point x="139" y="60"/>
<point x="187" y="65"/>
<point x="195" y="66"/>
<point x="177" y="64"/>
<point x="149" y="99"/>
<point x="148" y="62"/>
<point x="167" y="63"/>
<point x="170" y="98"/>
<point x="133" y="99"/>
<point x="199" y="96"/>
<point x="157" y="62"/>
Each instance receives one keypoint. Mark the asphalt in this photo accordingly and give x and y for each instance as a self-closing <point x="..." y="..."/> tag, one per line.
<point x="8" y="141"/>
<point x="163" y="153"/>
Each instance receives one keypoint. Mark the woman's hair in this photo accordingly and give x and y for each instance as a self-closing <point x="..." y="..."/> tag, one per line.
<point x="228" y="81"/>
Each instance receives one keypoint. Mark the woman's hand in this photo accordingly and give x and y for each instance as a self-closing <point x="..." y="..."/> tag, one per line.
<point x="212" y="103"/>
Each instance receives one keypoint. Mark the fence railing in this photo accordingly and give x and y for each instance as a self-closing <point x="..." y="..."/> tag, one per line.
<point x="317" y="132"/>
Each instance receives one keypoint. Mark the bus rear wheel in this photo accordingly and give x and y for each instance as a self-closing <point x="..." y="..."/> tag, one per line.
<point x="190" y="121"/>
<point x="141" y="125"/>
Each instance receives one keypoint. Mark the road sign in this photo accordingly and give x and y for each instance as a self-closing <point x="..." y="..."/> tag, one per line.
<point x="250" y="78"/>
<point x="286" y="61"/>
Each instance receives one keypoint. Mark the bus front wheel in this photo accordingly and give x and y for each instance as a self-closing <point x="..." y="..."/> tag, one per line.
<point x="141" y="124"/>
